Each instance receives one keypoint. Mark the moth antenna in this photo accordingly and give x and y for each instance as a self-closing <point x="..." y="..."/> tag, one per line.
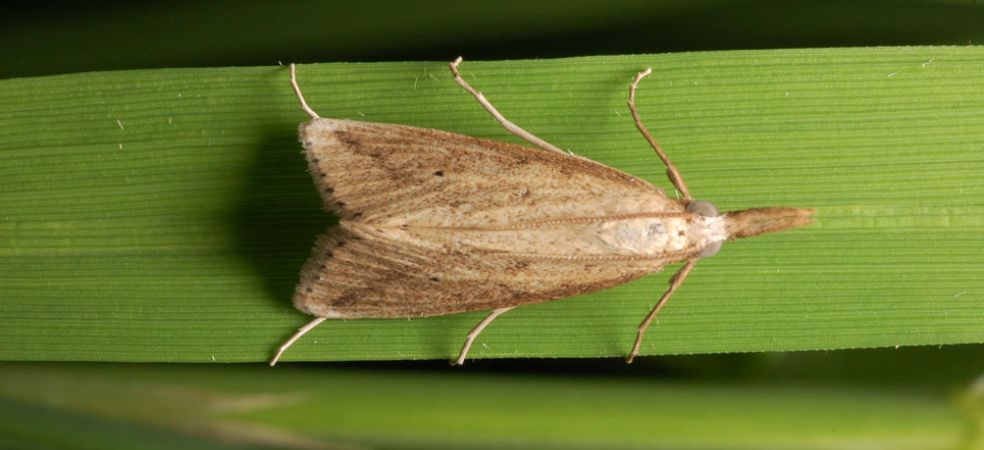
<point x="476" y="331"/>
<point x="671" y="170"/>
<point x="297" y="335"/>
<point x="300" y="96"/>
<point x="675" y="282"/>
<point x="509" y="126"/>
<point x="756" y="221"/>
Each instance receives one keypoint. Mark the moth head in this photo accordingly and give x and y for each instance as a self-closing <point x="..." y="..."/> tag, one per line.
<point x="756" y="221"/>
<point x="706" y="209"/>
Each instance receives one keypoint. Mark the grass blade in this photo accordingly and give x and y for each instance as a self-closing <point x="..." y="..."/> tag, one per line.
<point x="163" y="215"/>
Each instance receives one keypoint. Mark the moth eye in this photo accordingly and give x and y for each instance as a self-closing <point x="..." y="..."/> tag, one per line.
<point x="703" y="208"/>
<point x="711" y="249"/>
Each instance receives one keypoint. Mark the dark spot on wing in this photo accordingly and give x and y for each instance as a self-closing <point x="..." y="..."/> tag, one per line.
<point x="655" y="228"/>
<point x="345" y="300"/>
<point x="347" y="138"/>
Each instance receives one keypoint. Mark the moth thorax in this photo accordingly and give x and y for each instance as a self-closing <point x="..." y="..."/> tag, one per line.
<point x="707" y="209"/>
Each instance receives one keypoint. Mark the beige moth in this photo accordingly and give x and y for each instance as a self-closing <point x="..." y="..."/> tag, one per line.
<point x="435" y="223"/>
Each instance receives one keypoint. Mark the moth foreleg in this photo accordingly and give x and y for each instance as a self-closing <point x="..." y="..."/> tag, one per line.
<point x="671" y="170"/>
<point x="675" y="282"/>
<point x="509" y="126"/>
<point x="476" y="331"/>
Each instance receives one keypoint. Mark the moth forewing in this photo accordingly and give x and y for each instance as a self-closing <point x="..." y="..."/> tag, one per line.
<point x="435" y="223"/>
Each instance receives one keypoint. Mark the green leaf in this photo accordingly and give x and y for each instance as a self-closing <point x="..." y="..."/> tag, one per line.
<point x="163" y="215"/>
<point x="238" y="406"/>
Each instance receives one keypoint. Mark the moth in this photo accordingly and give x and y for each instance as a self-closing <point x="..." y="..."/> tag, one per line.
<point x="435" y="223"/>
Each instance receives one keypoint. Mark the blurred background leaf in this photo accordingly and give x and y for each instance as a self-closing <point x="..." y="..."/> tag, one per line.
<point x="768" y="403"/>
<point x="61" y="37"/>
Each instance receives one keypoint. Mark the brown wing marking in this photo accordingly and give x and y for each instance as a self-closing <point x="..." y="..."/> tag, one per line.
<point x="395" y="175"/>
<point x="353" y="273"/>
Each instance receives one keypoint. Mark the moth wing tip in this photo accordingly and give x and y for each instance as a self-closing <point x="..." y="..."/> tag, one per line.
<point x="317" y="305"/>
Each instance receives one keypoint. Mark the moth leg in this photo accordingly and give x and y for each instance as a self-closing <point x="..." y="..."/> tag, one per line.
<point x="476" y="331"/>
<point x="295" y="337"/>
<point x="300" y="96"/>
<point x="671" y="170"/>
<point x="509" y="126"/>
<point x="675" y="282"/>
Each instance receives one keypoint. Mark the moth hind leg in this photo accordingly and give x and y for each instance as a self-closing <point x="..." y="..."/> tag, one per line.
<point x="509" y="126"/>
<point x="289" y="342"/>
<point x="300" y="97"/>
